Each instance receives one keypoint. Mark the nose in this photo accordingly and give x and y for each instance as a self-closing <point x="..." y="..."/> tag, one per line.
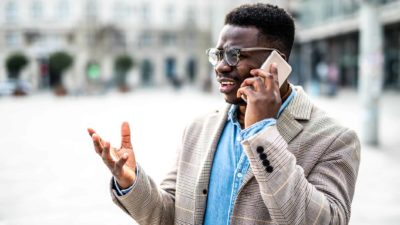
<point x="222" y="67"/>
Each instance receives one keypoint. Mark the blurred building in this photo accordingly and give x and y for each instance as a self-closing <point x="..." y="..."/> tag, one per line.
<point x="167" y="39"/>
<point x="328" y="38"/>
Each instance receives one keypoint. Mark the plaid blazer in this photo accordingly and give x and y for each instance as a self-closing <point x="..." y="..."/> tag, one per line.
<point x="313" y="169"/>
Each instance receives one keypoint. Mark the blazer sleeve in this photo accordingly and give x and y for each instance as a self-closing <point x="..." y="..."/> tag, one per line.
<point x="323" y="197"/>
<point x="148" y="202"/>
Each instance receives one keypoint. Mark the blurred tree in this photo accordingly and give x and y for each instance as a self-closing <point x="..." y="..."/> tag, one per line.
<point x="122" y="65"/>
<point x="58" y="63"/>
<point x="15" y="62"/>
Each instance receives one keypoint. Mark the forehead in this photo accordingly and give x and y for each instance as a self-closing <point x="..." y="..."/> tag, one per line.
<point x="236" y="36"/>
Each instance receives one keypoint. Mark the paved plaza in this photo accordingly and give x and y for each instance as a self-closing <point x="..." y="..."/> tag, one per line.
<point x="50" y="174"/>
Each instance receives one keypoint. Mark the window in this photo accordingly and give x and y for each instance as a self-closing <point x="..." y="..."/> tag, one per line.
<point x="191" y="15"/>
<point x="11" y="11"/>
<point x="145" y="13"/>
<point x="145" y="39"/>
<point x="63" y="9"/>
<point x="12" y="39"/>
<point x="168" y="39"/>
<point x="31" y="37"/>
<point x="91" y="9"/>
<point x="120" y="11"/>
<point x="169" y="13"/>
<point x="36" y="10"/>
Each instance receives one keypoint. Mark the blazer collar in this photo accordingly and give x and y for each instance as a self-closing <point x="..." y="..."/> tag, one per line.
<point x="218" y="120"/>
<point x="300" y="106"/>
<point x="299" y="109"/>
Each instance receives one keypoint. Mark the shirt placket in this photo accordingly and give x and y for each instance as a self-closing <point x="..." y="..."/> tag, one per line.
<point x="240" y="169"/>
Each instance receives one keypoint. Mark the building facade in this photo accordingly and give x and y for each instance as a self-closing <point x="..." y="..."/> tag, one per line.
<point x="167" y="39"/>
<point x="328" y="41"/>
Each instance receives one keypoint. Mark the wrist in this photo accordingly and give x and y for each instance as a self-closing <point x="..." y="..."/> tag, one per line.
<point x="251" y="123"/>
<point x="125" y="182"/>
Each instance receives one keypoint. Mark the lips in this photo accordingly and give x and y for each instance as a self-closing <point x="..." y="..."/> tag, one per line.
<point x="227" y="85"/>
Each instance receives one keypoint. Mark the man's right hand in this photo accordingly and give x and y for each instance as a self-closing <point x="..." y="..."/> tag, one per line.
<point x="121" y="162"/>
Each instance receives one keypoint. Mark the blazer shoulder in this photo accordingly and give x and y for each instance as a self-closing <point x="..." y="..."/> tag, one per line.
<point x="321" y="121"/>
<point x="209" y="119"/>
<point x="327" y="129"/>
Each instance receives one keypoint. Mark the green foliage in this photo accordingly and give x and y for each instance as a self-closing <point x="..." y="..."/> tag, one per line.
<point x="123" y="63"/>
<point x="60" y="61"/>
<point x="15" y="63"/>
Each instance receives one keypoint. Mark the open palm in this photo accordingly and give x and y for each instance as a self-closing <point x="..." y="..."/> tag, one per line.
<point x="121" y="161"/>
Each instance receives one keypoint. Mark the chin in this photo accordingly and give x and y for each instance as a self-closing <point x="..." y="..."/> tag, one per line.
<point x="234" y="100"/>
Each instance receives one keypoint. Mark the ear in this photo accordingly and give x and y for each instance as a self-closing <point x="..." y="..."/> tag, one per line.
<point x="284" y="57"/>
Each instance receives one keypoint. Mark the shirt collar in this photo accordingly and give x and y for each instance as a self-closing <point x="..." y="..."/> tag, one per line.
<point x="232" y="114"/>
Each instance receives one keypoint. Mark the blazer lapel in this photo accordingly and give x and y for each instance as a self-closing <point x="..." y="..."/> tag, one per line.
<point x="299" y="109"/>
<point x="204" y="175"/>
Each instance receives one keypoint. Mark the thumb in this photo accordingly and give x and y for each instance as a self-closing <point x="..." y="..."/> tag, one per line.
<point x="125" y="136"/>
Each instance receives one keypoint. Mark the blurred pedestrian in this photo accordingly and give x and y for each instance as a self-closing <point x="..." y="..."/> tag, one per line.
<point x="322" y="72"/>
<point x="333" y="77"/>
<point x="275" y="158"/>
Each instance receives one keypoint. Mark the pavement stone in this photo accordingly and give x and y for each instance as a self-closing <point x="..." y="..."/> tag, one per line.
<point x="49" y="173"/>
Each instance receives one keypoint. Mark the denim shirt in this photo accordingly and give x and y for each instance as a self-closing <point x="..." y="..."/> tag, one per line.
<point x="229" y="166"/>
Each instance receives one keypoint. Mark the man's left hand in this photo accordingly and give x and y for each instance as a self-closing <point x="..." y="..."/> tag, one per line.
<point x="263" y="95"/>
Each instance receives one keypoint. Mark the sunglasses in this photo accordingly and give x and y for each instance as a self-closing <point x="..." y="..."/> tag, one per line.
<point x="232" y="55"/>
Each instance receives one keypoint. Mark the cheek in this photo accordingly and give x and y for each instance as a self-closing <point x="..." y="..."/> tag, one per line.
<point x="244" y="71"/>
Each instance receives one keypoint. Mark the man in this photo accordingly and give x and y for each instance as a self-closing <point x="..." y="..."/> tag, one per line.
<point x="276" y="159"/>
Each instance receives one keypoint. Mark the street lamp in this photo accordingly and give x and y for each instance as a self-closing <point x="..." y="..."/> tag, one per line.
<point x="371" y="70"/>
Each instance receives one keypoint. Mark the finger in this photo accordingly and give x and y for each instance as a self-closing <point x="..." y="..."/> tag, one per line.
<point x="107" y="158"/>
<point x="256" y="82"/>
<point x="274" y="82"/>
<point x="121" y="162"/>
<point x="247" y="91"/>
<point x="91" y="131"/>
<point x="102" y="142"/>
<point x="125" y="136"/>
<point x="265" y="76"/>
<point x="97" y="145"/>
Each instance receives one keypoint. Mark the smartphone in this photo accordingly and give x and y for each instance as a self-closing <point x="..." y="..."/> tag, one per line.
<point x="284" y="69"/>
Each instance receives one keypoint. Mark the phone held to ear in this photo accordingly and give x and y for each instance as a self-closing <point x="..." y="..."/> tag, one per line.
<point x="284" y="69"/>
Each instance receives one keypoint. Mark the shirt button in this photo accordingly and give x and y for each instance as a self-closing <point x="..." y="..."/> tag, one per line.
<point x="238" y="139"/>
<point x="240" y="175"/>
<point x="204" y="191"/>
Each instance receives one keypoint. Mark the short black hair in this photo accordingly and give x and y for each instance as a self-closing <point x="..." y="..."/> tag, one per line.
<point x="274" y="24"/>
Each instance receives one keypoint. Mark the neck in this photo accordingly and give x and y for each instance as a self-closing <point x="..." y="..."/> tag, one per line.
<point x="285" y="91"/>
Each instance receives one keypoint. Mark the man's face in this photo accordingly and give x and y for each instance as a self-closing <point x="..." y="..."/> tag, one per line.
<point x="231" y="77"/>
